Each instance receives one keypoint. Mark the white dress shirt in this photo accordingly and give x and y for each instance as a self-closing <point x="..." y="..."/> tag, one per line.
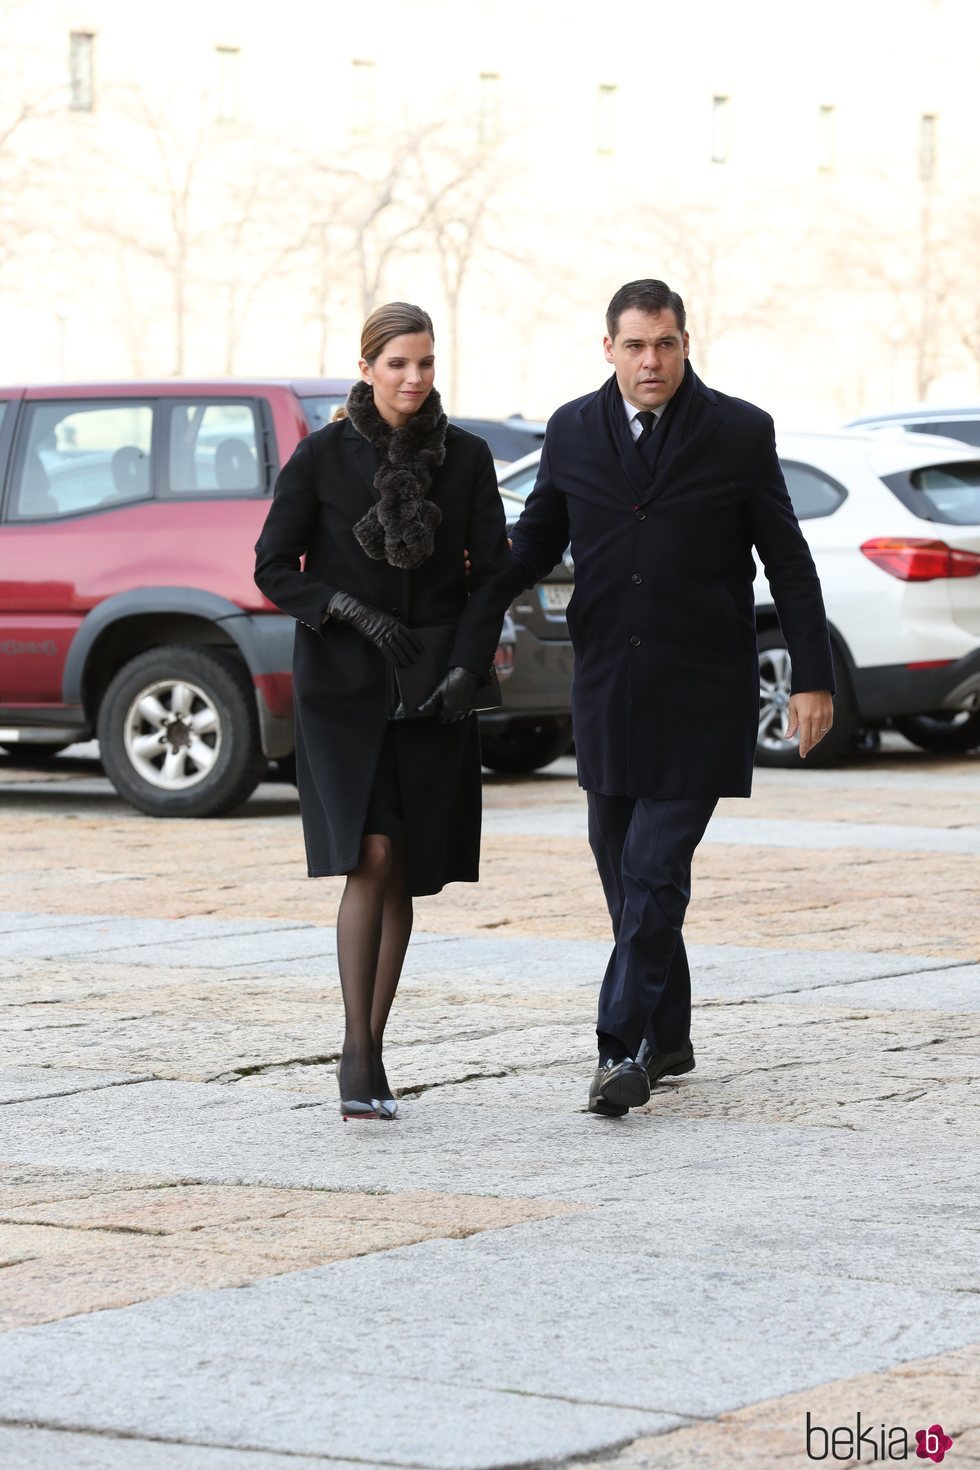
<point x="636" y="428"/>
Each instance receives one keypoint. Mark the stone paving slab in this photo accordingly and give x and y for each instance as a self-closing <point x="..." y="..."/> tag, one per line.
<point x="916" y="772"/>
<point x="16" y="922"/>
<point x="352" y="1407"/>
<point x="941" y="989"/>
<point x="133" y="939"/>
<point x="301" y="949"/>
<point x="920" y="903"/>
<point x="23" y="1084"/>
<point x="532" y="1391"/>
<point x="93" y="1252"/>
<point x="31" y="1448"/>
<point x="468" y="1138"/>
<point x="943" y="1389"/>
<point x="572" y="821"/>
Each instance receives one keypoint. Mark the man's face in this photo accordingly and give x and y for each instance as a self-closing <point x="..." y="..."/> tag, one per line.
<point x="648" y="353"/>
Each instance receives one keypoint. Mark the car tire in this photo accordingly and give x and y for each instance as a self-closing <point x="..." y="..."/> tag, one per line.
<point x="774" y="677"/>
<point x="947" y="732"/>
<point x="521" y="746"/>
<point x="178" y="733"/>
<point x="33" y="752"/>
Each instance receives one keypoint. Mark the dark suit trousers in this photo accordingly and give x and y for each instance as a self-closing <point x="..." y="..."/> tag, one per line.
<point x="643" y="849"/>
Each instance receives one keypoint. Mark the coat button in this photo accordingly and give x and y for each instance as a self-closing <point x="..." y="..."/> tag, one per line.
<point x="635" y="641"/>
<point x="641" y="515"/>
<point x="636" y="578"/>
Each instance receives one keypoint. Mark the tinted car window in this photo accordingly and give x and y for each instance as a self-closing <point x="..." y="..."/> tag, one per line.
<point x="320" y="411"/>
<point x="812" y="493"/>
<point x="212" y="449"/>
<point x="80" y="457"/>
<point x="966" y="429"/>
<point x="951" y="491"/>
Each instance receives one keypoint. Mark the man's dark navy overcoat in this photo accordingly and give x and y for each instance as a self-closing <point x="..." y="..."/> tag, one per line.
<point x="666" y="687"/>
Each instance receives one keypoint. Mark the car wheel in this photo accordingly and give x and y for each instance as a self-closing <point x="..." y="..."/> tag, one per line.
<point x="178" y="733"/>
<point x="947" y="732"/>
<point x="525" y="745"/>
<point x="33" y="752"/>
<point x="775" y="674"/>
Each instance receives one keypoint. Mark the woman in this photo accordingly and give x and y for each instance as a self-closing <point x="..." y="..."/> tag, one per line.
<point x="384" y="504"/>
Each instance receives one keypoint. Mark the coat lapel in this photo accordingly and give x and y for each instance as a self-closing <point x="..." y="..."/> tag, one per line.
<point x="363" y="458"/>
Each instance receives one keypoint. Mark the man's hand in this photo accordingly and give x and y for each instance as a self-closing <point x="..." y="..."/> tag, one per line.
<point x="811" y="715"/>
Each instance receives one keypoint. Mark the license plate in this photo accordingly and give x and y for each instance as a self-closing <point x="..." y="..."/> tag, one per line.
<point x="555" y="598"/>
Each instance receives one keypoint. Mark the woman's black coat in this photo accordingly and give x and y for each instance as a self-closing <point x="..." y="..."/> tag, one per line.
<point x="341" y="681"/>
<point x="666" y="687"/>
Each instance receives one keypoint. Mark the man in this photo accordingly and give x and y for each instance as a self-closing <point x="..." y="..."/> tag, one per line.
<point x="663" y="487"/>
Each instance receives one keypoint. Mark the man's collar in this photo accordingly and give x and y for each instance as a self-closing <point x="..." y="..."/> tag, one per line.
<point x="632" y="410"/>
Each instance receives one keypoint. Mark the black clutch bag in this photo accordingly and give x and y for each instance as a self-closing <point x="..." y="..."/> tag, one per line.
<point x="413" y="684"/>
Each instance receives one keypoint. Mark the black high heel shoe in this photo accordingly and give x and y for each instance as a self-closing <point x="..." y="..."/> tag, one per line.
<point x="385" y="1103"/>
<point x="355" y="1107"/>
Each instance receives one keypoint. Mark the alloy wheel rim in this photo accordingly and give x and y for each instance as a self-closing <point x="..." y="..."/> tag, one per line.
<point x="172" y="734"/>
<point x="775" y="685"/>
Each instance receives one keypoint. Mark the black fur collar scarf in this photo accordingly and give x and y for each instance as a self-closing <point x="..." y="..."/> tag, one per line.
<point x="400" y="528"/>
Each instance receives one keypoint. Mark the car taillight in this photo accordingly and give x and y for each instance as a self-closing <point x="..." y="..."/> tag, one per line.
<point x="913" y="559"/>
<point x="503" y="661"/>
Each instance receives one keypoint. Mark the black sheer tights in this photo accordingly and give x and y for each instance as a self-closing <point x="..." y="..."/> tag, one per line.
<point x="374" y="925"/>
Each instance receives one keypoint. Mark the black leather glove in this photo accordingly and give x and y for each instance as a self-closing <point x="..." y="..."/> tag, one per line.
<point x="453" y="697"/>
<point x="399" y="644"/>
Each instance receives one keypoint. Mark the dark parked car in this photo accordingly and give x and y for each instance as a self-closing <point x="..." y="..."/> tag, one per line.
<point x="509" y="439"/>
<point x="128" y="513"/>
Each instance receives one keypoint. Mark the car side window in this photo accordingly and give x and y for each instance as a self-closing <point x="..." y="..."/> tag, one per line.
<point x="522" y="483"/>
<point x="213" y="449"/>
<point x="78" y="457"/>
<point x="966" y="429"/>
<point x="812" y="493"/>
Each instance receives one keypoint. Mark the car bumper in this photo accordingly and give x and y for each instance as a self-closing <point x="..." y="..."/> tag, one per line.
<point x="902" y="689"/>
<point x="541" y="683"/>
<point x="266" y="644"/>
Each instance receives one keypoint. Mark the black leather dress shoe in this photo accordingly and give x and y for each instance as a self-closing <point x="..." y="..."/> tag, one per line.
<point x="665" y="1063"/>
<point x="618" y="1085"/>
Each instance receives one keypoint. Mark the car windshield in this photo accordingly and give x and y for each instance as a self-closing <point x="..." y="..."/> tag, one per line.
<point x="320" y="410"/>
<point x="507" y="441"/>
<point x="951" y="491"/>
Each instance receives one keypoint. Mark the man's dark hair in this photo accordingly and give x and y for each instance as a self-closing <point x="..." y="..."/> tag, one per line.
<point x="651" y="296"/>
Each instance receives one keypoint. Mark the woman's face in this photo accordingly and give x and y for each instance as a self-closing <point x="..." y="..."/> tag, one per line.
<point x="402" y="376"/>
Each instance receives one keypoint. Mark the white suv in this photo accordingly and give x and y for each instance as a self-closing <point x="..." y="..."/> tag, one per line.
<point x="894" y="526"/>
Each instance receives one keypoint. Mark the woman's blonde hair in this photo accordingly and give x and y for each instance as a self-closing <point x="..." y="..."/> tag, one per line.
<point x="397" y="319"/>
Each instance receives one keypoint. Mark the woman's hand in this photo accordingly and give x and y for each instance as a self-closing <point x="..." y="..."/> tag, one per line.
<point x="399" y="644"/>
<point x="452" y="698"/>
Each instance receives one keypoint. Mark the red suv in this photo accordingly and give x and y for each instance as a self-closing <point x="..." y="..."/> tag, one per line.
<point x="127" y="606"/>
